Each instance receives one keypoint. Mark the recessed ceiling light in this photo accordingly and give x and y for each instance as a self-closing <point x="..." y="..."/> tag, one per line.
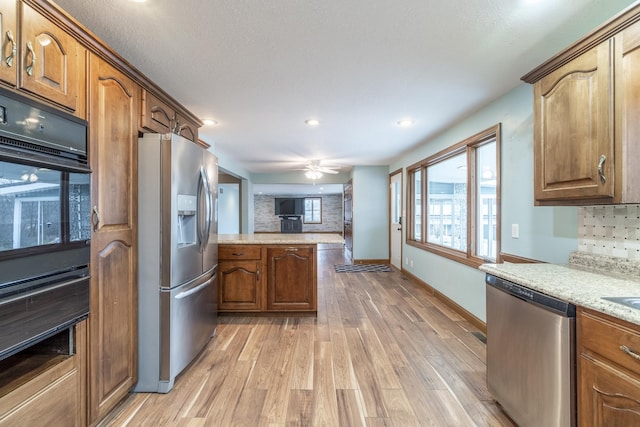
<point x="404" y="123"/>
<point x="210" y="122"/>
<point x="312" y="122"/>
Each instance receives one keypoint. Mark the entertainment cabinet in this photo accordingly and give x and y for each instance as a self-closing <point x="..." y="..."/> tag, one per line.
<point x="290" y="224"/>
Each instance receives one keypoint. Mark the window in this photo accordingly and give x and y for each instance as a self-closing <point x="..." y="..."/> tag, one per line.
<point x="461" y="205"/>
<point x="313" y="210"/>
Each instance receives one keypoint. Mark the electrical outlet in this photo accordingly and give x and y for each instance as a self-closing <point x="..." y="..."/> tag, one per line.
<point x="411" y="263"/>
<point x="406" y="260"/>
<point x="515" y="231"/>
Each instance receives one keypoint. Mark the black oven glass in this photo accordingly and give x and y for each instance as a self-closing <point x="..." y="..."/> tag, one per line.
<point x="42" y="206"/>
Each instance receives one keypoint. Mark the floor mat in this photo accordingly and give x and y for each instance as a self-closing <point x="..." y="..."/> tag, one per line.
<point x="362" y="268"/>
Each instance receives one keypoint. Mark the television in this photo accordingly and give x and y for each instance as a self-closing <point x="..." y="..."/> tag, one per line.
<point x="289" y="206"/>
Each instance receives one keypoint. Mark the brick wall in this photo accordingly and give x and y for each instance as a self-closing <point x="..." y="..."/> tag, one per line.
<point x="265" y="220"/>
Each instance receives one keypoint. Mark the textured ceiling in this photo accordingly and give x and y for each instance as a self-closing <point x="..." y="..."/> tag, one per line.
<point x="262" y="67"/>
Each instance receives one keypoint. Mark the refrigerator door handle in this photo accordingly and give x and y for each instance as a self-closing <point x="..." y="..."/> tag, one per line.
<point x="204" y="221"/>
<point x="194" y="290"/>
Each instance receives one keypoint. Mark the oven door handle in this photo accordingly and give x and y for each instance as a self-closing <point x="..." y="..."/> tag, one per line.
<point x="41" y="290"/>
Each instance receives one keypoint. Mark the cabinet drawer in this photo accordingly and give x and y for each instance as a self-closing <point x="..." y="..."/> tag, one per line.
<point x="231" y="252"/>
<point x="602" y="336"/>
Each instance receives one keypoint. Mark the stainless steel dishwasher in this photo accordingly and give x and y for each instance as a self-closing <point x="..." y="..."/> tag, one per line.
<point x="531" y="354"/>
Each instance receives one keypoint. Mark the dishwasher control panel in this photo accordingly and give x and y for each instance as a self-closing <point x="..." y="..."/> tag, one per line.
<point x="546" y="301"/>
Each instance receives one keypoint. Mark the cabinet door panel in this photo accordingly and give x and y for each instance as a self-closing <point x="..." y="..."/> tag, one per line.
<point x="574" y="128"/>
<point x="628" y="112"/>
<point x="113" y="319"/>
<point x="52" y="61"/>
<point x="186" y="129"/>
<point x="59" y="401"/>
<point x="156" y="116"/>
<point x="607" y="396"/>
<point x="9" y="48"/>
<point x="291" y="283"/>
<point x="239" y="285"/>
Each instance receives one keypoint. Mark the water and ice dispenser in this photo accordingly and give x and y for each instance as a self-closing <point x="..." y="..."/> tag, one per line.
<point x="187" y="220"/>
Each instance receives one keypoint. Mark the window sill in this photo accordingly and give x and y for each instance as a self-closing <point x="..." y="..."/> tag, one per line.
<point x="451" y="254"/>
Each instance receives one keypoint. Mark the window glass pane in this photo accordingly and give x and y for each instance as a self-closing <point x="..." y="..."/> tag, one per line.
<point x="447" y="203"/>
<point x="313" y="210"/>
<point x="395" y="203"/>
<point x="486" y="209"/>
<point x="417" y="205"/>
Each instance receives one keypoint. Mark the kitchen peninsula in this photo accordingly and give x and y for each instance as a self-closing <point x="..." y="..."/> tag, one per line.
<point x="270" y="273"/>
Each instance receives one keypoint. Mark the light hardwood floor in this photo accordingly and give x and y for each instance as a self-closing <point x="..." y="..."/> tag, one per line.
<point x="381" y="352"/>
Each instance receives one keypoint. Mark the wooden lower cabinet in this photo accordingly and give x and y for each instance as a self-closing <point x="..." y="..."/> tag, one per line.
<point x="54" y="396"/>
<point x="291" y="278"/>
<point x="240" y="286"/>
<point x="114" y="276"/>
<point x="608" y="371"/>
<point x="267" y="278"/>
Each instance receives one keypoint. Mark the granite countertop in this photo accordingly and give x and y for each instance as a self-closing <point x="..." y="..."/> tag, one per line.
<point x="279" y="239"/>
<point x="584" y="281"/>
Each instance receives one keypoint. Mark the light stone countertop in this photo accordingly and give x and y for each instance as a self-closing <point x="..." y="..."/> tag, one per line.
<point x="280" y="239"/>
<point x="577" y="283"/>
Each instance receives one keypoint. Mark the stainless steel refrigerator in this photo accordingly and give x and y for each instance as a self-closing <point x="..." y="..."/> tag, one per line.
<point x="178" y="256"/>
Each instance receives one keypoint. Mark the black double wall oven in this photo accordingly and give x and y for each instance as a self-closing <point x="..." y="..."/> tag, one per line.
<point x="45" y="223"/>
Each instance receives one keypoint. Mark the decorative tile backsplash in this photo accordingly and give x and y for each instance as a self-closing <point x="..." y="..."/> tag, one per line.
<point x="612" y="230"/>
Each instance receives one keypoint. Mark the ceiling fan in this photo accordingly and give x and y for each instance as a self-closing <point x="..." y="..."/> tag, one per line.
<point x="313" y="170"/>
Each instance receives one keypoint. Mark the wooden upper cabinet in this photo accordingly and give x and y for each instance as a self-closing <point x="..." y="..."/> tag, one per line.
<point x="186" y="128"/>
<point x="157" y="116"/>
<point x="573" y="129"/>
<point x="627" y="89"/>
<point x="9" y="44"/>
<point x="586" y="109"/>
<point x="51" y="61"/>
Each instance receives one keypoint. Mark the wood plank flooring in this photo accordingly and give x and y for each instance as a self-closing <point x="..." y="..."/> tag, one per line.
<point x="381" y="352"/>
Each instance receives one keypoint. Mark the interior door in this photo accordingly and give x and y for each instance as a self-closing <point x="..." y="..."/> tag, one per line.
<point x="395" y="218"/>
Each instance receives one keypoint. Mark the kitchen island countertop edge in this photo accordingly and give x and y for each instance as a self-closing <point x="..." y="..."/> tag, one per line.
<point x="280" y="239"/>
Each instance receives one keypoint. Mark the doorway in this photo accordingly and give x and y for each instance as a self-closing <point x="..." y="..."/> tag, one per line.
<point x="395" y="219"/>
<point x="229" y="204"/>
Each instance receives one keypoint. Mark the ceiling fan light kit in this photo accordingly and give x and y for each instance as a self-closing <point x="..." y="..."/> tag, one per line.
<point x="314" y="175"/>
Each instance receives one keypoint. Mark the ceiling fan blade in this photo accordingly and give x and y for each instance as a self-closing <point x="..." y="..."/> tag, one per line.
<point x="325" y="170"/>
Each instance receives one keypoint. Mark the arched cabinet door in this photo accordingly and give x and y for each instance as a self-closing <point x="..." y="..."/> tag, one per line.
<point x="573" y="133"/>
<point x="114" y="103"/>
<point x="8" y="42"/>
<point x="51" y="61"/>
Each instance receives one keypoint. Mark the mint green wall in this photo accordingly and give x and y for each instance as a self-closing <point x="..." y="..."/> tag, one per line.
<point x="370" y="212"/>
<point x="231" y="167"/>
<point x="546" y="233"/>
